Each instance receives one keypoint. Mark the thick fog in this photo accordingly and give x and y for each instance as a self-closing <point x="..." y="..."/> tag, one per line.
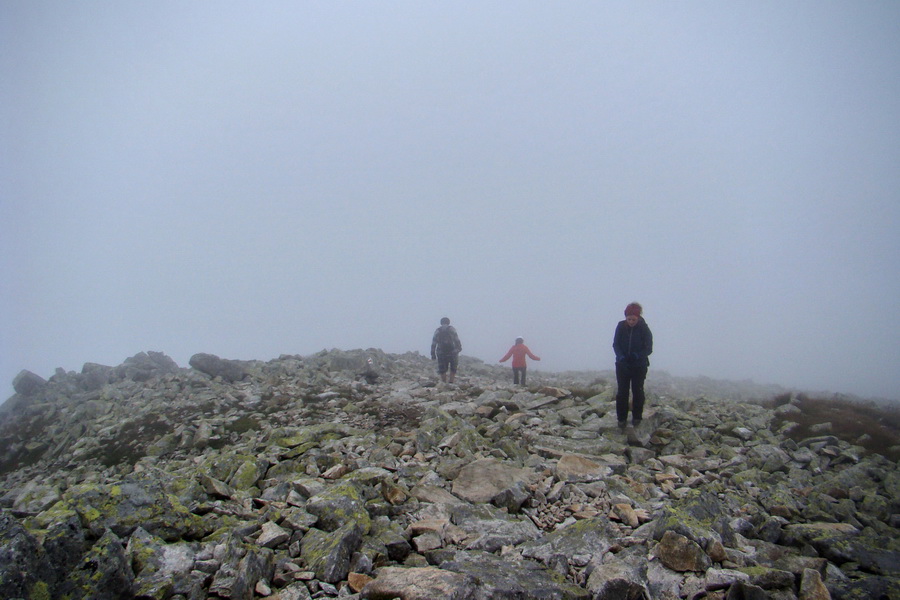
<point x="257" y="179"/>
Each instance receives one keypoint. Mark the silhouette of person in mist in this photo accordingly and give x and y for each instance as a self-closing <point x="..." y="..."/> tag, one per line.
<point x="445" y="349"/>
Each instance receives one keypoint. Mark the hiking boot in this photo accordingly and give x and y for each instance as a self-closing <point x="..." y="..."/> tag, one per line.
<point x="623" y="424"/>
<point x="636" y="422"/>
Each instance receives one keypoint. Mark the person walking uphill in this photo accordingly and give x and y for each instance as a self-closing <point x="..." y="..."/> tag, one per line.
<point x="445" y="349"/>
<point x="633" y="344"/>
<point x="518" y="353"/>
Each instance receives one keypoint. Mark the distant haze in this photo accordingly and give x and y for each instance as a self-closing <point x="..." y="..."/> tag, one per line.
<point x="257" y="179"/>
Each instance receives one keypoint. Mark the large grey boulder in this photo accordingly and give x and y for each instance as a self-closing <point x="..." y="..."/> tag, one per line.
<point x="161" y="569"/>
<point x="146" y="365"/>
<point x="572" y="467"/>
<point x="212" y="365"/>
<point x="23" y="568"/>
<point x="681" y="554"/>
<point x="94" y="376"/>
<point x="484" y="479"/>
<point x="242" y="569"/>
<point x="36" y="497"/>
<point x="489" y="528"/>
<point x="130" y="504"/>
<point x="64" y="544"/>
<point x="329" y="554"/>
<point x="28" y="383"/>
<point x="622" y="577"/>
<point x="340" y="505"/>
<point x="579" y="541"/>
<point x="104" y="572"/>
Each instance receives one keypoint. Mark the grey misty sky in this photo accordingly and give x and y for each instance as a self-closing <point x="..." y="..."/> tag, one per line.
<point x="258" y="179"/>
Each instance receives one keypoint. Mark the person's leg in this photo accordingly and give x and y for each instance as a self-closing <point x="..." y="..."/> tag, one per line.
<point x="515" y="375"/>
<point x="637" y="387"/>
<point x="454" y="364"/>
<point x="443" y="363"/>
<point x="523" y="375"/>
<point x="623" y="380"/>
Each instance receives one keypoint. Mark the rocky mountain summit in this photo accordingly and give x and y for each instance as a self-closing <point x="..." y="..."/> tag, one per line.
<point x="359" y="475"/>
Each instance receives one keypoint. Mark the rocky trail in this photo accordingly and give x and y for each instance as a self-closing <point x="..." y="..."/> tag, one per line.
<point x="356" y="474"/>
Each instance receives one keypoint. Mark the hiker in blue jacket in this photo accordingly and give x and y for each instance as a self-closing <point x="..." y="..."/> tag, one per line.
<point x="633" y="344"/>
<point x="445" y="349"/>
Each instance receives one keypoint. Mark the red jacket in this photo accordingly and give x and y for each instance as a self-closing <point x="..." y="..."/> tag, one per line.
<point x="518" y="353"/>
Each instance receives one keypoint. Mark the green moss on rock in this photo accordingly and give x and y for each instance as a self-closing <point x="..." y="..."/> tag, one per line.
<point x="39" y="591"/>
<point x="133" y="505"/>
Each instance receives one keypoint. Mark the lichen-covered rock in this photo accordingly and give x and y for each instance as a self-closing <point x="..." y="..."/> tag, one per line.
<point x="512" y="498"/>
<point x="23" y="567"/>
<point x="294" y="591"/>
<point x="104" y="572"/>
<point x="864" y="588"/>
<point x="266" y="486"/>
<point x="161" y="570"/>
<point x="579" y="541"/>
<point x="340" y="505"/>
<point x="388" y="539"/>
<point x="248" y="474"/>
<point x="818" y="535"/>
<point x="489" y="528"/>
<point x="237" y="568"/>
<point x="36" y="497"/>
<point x="812" y="587"/>
<point x="681" y="554"/>
<point x="623" y="576"/>
<point x="125" y="506"/>
<point x="255" y="566"/>
<point x="64" y="544"/>
<point x="742" y="590"/>
<point x="272" y="535"/>
<point x="215" y="488"/>
<point x="699" y="516"/>
<point x="310" y="436"/>
<point x="328" y="553"/>
<point x="769" y="457"/>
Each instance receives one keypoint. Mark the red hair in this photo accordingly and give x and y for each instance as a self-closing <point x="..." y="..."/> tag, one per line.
<point x="634" y="309"/>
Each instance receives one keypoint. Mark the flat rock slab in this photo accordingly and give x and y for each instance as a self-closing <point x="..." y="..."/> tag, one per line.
<point x="482" y="480"/>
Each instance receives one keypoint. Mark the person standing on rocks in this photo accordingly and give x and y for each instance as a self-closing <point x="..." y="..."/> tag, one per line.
<point x="445" y="349"/>
<point x="633" y="344"/>
<point x="518" y="353"/>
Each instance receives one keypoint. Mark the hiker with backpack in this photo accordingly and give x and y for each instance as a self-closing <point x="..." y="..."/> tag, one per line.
<point x="445" y="349"/>
<point x="518" y="352"/>
<point x="633" y="344"/>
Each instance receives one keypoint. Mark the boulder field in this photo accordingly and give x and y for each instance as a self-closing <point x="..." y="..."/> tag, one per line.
<point x="357" y="474"/>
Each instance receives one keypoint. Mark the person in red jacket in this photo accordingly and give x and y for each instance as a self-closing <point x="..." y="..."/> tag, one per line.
<point x="518" y="352"/>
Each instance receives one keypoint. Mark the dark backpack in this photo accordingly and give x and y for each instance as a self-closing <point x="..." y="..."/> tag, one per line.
<point x="446" y="343"/>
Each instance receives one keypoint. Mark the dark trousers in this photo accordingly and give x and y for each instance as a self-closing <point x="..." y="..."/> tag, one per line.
<point x="630" y="377"/>
<point x="447" y="361"/>
<point x="518" y="372"/>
